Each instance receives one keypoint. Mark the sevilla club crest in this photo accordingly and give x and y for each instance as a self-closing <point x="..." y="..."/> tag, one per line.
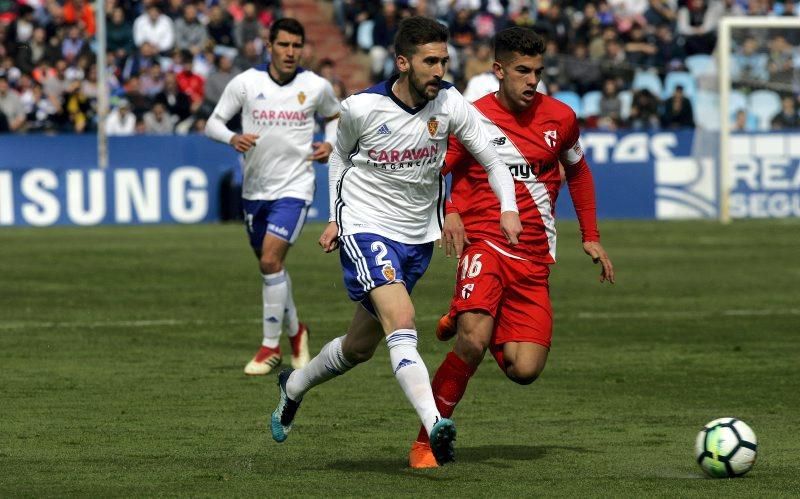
<point x="301" y="98"/>
<point x="551" y="136"/>
<point x="433" y="125"/>
<point x="388" y="272"/>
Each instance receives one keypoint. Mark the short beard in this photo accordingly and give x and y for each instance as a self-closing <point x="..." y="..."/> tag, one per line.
<point x="421" y="89"/>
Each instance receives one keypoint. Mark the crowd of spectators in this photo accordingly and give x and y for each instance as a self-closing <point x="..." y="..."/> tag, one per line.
<point x="595" y="45"/>
<point x="168" y="61"/>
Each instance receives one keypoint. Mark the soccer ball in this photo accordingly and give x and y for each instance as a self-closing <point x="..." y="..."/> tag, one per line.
<point x="725" y="448"/>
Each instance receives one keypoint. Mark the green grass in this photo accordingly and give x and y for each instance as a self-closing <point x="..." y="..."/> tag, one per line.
<point x="122" y="352"/>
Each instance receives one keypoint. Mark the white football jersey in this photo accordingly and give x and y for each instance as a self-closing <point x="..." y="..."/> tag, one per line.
<point x="283" y="118"/>
<point x="391" y="182"/>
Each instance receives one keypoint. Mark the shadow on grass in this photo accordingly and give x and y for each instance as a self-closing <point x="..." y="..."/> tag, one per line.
<point x="496" y="456"/>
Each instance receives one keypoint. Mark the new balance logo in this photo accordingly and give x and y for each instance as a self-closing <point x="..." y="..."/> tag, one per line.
<point x="403" y="363"/>
<point x="499" y="141"/>
<point x="384" y="130"/>
<point x="260" y="97"/>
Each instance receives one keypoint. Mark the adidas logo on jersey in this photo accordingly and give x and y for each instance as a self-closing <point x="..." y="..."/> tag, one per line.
<point x="384" y="130"/>
<point x="403" y="363"/>
<point x="499" y="141"/>
<point x="260" y="97"/>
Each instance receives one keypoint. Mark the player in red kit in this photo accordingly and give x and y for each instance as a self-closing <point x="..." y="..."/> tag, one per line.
<point x="501" y="300"/>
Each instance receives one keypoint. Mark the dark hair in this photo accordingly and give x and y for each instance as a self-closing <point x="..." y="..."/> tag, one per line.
<point x="523" y="41"/>
<point x="417" y="30"/>
<point x="288" y="25"/>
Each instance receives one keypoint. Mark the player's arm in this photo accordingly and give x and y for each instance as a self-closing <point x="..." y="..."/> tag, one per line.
<point x="229" y="104"/>
<point x="468" y="130"/>
<point x="328" y="107"/>
<point x="581" y="190"/>
<point x="346" y="140"/>
<point x="454" y="237"/>
<point x="321" y="151"/>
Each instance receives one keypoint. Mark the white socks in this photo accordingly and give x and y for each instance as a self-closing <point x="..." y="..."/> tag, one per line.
<point x="290" y="322"/>
<point x="274" y="293"/>
<point x="408" y="367"/>
<point x="411" y="373"/>
<point x="328" y="364"/>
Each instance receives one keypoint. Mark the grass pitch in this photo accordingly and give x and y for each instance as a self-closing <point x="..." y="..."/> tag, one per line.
<point x="122" y="351"/>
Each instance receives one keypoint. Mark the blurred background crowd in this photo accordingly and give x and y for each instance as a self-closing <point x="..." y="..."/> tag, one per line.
<point x="641" y="64"/>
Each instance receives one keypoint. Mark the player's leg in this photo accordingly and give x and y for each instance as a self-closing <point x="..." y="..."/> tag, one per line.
<point x="388" y="271"/>
<point x="396" y="314"/>
<point x="279" y="225"/>
<point x="334" y="359"/>
<point x="286" y="220"/>
<point x="474" y="333"/>
<point x="450" y="381"/>
<point x="297" y="331"/>
<point x="339" y="355"/>
<point x="524" y="361"/>
<point x="269" y="355"/>
<point x="476" y="298"/>
<point x="524" y="326"/>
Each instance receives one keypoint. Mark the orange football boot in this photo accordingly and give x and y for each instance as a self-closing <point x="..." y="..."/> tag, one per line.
<point x="446" y="328"/>
<point x="421" y="456"/>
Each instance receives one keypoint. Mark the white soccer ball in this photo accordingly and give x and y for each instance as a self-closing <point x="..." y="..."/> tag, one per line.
<point x="726" y="448"/>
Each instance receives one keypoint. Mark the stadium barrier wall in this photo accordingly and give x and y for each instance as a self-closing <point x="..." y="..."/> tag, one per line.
<point x="53" y="180"/>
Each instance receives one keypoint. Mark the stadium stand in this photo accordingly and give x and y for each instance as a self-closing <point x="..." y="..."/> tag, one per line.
<point x="764" y="104"/>
<point x="178" y="51"/>
<point x="684" y="79"/>
<point x="590" y="104"/>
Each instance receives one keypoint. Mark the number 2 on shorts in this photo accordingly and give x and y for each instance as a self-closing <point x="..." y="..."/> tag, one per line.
<point x="380" y="248"/>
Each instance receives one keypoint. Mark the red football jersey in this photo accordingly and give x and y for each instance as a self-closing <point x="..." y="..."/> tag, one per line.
<point x="532" y="144"/>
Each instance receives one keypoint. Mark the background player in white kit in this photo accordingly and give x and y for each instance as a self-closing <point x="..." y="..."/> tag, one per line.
<point x="389" y="150"/>
<point x="277" y="103"/>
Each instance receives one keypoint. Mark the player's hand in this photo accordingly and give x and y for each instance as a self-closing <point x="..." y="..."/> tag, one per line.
<point x="329" y="240"/>
<point x="454" y="237"/>
<point x="321" y="151"/>
<point x="243" y="142"/>
<point x="595" y="250"/>
<point x="511" y="226"/>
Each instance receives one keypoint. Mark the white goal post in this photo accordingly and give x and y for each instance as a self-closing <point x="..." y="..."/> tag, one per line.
<point x="724" y="74"/>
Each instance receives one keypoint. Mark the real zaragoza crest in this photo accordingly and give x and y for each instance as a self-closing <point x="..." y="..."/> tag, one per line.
<point x="433" y="125"/>
<point x="388" y="272"/>
<point x="301" y="98"/>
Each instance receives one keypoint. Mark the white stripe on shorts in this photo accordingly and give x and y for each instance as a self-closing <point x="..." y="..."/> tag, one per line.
<point x="362" y="269"/>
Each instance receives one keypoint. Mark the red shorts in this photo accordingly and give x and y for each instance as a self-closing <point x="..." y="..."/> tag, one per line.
<point x="515" y="292"/>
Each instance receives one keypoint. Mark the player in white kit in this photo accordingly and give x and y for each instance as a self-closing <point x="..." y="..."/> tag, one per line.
<point x="277" y="104"/>
<point x="387" y="193"/>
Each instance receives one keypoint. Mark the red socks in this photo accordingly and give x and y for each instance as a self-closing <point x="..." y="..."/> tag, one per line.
<point x="449" y="384"/>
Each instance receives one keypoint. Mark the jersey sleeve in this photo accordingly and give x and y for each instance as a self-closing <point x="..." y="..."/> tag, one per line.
<point x="347" y="135"/>
<point x="572" y="151"/>
<point x="466" y="123"/>
<point x="349" y="130"/>
<point x="328" y="105"/>
<point x="579" y="182"/>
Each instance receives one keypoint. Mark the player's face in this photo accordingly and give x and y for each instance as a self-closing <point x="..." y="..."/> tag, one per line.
<point x="519" y="77"/>
<point x="425" y="70"/>
<point x="285" y="55"/>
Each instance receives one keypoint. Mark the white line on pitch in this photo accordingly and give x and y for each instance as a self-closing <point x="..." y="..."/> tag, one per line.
<point x="687" y="314"/>
<point x="678" y="314"/>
